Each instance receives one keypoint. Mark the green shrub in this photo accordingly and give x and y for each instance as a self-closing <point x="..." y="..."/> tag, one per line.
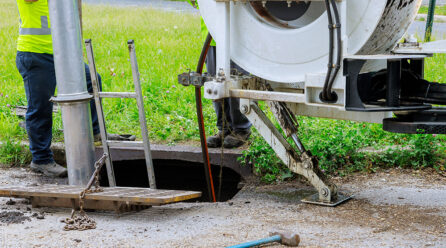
<point x="265" y="162"/>
<point x="337" y="146"/>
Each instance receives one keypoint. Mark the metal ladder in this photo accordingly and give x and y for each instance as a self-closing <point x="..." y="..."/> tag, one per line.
<point x="98" y="95"/>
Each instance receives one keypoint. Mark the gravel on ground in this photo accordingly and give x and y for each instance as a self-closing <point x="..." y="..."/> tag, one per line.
<point x="394" y="208"/>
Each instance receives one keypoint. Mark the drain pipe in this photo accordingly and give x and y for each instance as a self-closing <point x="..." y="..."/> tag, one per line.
<point x="72" y="96"/>
<point x="430" y="20"/>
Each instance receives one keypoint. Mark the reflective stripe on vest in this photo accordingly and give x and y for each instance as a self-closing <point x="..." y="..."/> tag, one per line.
<point x="44" y="30"/>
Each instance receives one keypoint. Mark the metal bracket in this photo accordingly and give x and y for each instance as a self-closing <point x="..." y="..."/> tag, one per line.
<point x="421" y="48"/>
<point x="84" y="97"/>
<point x="221" y="87"/>
<point x="352" y="68"/>
<point x="193" y="78"/>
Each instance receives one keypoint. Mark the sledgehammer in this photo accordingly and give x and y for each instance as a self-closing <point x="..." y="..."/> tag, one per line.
<point x="284" y="238"/>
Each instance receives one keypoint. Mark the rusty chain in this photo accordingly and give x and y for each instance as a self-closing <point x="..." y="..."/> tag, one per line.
<point x="82" y="221"/>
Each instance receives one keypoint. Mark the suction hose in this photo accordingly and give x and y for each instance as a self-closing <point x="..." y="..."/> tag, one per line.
<point x="324" y="94"/>
<point x="199" y="104"/>
<point x="337" y="66"/>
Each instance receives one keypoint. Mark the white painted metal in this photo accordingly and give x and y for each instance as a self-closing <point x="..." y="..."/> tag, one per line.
<point x="281" y="54"/>
<point x="223" y="50"/>
<point x="423" y="48"/>
<point x="268" y="95"/>
<point x="385" y="57"/>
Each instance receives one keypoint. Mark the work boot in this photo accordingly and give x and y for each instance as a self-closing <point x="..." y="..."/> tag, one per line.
<point x="236" y="139"/>
<point x="216" y="140"/>
<point x="112" y="136"/>
<point x="51" y="169"/>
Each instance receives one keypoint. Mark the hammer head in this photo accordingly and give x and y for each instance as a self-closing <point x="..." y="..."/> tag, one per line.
<point x="287" y="238"/>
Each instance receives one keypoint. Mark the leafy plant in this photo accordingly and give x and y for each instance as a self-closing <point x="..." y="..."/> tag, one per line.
<point x="337" y="146"/>
<point x="13" y="154"/>
<point x="266" y="163"/>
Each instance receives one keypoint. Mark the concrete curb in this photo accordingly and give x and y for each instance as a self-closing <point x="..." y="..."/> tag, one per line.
<point x="182" y="153"/>
<point x="437" y="18"/>
<point x="164" y="152"/>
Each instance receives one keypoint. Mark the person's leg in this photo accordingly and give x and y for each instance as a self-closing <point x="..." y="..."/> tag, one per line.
<point x="39" y="80"/>
<point x="211" y="66"/>
<point x="239" y="122"/>
<point x="94" y="113"/>
<point x="216" y="140"/>
<point x="226" y="118"/>
<point x="240" y="125"/>
<point x="211" y="61"/>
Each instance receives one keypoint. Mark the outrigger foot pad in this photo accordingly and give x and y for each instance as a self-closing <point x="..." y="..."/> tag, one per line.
<point x="314" y="199"/>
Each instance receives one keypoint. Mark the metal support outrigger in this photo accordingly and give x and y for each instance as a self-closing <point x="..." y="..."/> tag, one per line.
<point x="303" y="164"/>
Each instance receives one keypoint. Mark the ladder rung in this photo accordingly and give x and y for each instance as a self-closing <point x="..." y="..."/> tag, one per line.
<point x="126" y="144"/>
<point x="117" y="94"/>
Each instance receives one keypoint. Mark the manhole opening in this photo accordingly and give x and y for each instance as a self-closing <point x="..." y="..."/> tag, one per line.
<point x="175" y="175"/>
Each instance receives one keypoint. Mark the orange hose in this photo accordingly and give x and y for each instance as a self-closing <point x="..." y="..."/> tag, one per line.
<point x="199" y="105"/>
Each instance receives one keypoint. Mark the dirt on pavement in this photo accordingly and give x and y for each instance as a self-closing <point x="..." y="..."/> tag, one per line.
<point x="394" y="208"/>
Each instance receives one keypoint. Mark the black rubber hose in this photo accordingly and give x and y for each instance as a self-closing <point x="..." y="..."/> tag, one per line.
<point x="331" y="95"/>
<point x="324" y="95"/>
<point x="199" y="105"/>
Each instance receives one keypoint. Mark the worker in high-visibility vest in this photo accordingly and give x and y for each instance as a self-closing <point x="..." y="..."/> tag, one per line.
<point x="36" y="65"/>
<point x="237" y="128"/>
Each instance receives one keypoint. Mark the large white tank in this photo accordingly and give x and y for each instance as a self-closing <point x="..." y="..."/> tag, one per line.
<point x="286" y="47"/>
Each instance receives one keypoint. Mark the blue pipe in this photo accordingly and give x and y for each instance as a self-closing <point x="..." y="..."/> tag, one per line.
<point x="272" y="239"/>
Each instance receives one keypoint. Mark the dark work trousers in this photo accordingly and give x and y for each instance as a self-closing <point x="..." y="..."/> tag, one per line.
<point x="39" y="78"/>
<point x="236" y="121"/>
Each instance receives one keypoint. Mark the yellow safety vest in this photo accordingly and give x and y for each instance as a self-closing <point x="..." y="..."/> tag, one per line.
<point x="204" y="29"/>
<point x="34" y="32"/>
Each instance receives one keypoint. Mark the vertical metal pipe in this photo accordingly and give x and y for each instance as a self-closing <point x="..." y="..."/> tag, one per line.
<point x="430" y="20"/>
<point x="72" y="90"/>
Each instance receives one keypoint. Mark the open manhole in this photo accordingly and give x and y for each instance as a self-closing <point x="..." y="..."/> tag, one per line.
<point x="176" y="175"/>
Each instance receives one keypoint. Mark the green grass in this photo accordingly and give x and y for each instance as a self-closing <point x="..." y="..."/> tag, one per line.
<point x="167" y="44"/>
<point x="439" y="10"/>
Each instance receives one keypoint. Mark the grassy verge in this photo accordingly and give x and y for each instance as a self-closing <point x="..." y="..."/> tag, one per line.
<point x="167" y="44"/>
<point x="439" y="10"/>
